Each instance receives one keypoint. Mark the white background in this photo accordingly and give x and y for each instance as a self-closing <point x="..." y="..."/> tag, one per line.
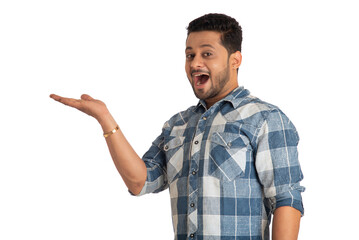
<point x="57" y="179"/>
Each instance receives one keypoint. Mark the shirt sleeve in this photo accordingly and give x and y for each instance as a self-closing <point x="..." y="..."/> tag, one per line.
<point x="277" y="162"/>
<point x="155" y="161"/>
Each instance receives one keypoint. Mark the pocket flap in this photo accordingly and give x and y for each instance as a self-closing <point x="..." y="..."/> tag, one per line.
<point x="173" y="143"/>
<point x="229" y="140"/>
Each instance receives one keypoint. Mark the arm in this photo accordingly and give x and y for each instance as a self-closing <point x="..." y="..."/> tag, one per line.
<point x="130" y="166"/>
<point x="279" y="171"/>
<point x="286" y="223"/>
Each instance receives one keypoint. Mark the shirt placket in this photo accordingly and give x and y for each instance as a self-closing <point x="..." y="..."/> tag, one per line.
<point x="193" y="179"/>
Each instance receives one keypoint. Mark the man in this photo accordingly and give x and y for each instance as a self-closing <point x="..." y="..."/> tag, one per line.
<point x="230" y="162"/>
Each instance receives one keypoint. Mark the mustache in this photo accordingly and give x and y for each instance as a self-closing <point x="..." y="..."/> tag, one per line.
<point x="199" y="71"/>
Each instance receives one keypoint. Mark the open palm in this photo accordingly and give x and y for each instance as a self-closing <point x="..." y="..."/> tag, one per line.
<point x="86" y="104"/>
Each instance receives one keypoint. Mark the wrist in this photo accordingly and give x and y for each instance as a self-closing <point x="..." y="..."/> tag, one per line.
<point x="107" y="122"/>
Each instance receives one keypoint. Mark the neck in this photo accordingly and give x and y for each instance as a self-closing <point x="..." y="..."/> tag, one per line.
<point x="211" y="101"/>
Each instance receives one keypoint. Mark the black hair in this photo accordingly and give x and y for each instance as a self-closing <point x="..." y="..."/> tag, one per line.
<point x="229" y="28"/>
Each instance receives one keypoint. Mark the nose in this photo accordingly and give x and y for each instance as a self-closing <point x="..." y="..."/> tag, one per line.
<point x="197" y="62"/>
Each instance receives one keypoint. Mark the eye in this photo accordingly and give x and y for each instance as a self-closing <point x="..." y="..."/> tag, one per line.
<point x="189" y="56"/>
<point x="207" y="54"/>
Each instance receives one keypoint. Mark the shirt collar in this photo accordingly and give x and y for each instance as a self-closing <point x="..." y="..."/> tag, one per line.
<point x="235" y="98"/>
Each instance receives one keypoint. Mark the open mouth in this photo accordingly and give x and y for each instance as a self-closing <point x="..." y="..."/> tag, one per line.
<point x="200" y="78"/>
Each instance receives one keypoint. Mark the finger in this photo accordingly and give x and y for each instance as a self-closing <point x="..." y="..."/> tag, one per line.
<point x="55" y="97"/>
<point x="67" y="101"/>
<point x="86" y="97"/>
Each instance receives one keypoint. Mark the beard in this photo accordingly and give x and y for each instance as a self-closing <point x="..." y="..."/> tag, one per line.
<point x="217" y="84"/>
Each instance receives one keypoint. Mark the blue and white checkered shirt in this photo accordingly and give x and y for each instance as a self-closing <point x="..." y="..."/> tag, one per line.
<point x="227" y="168"/>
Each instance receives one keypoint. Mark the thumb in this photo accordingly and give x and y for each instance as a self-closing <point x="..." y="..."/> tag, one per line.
<point x="86" y="97"/>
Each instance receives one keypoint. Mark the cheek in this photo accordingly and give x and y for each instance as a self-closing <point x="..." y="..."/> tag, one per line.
<point x="188" y="72"/>
<point x="217" y="69"/>
<point x="187" y="67"/>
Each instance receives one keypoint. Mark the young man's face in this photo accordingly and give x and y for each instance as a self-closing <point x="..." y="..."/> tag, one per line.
<point x="209" y="69"/>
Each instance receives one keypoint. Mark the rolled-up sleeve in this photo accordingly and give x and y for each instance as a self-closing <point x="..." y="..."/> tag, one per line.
<point x="155" y="161"/>
<point x="277" y="161"/>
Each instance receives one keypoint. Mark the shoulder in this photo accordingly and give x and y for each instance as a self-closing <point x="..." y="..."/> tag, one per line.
<point x="254" y="111"/>
<point x="273" y="121"/>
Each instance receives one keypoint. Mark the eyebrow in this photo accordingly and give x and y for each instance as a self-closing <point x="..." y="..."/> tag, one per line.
<point x="202" y="46"/>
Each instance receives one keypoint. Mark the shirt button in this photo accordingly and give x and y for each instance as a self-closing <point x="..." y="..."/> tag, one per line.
<point x="196" y="142"/>
<point x="192" y="235"/>
<point x="166" y="147"/>
<point x="194" y="173"/>
<point x="192" y="205"/>
<point x="204" y="118"/>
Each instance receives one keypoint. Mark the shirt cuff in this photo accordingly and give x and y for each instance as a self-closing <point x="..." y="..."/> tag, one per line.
<point x="291" y="198"/>
<point x="143" y="191"/>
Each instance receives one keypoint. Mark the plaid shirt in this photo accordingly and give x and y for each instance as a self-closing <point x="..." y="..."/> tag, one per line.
<point x="227" y="168"/>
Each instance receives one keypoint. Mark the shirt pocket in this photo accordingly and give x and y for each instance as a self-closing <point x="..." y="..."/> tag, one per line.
<point x="173" y="148"/>
<point x="228" y="155"/>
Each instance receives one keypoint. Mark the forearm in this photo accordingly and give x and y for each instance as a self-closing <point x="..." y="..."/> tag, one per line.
<point x="128" y="163"/>
<point x="130" y="166"/>
<point x="286" y="222"/>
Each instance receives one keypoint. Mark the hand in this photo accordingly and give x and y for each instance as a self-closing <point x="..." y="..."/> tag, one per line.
<point x="86" y="104"/>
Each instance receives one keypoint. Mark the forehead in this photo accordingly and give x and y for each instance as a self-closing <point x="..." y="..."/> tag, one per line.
<point x="202" y="39"/>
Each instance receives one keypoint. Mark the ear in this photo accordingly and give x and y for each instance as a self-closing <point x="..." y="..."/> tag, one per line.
<point x="236" y="59"/>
